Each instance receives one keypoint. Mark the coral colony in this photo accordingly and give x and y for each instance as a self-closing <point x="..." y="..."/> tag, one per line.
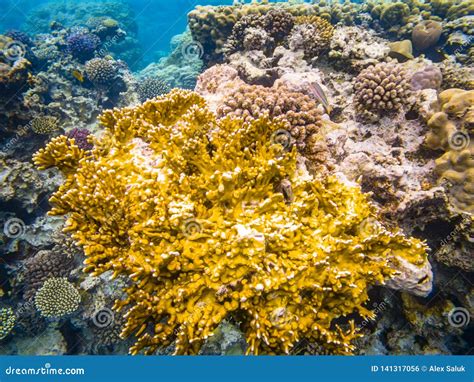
<point x="292" y="178"/>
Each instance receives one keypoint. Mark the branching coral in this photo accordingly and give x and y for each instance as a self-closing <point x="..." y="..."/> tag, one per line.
<point x="57" y="298"/>
<point x="209" y="218"/>
<point x="61" y="152"/>
<point x="312" y="34"/>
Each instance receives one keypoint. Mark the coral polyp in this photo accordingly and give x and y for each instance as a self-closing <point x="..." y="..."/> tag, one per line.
<point x="211" y="219"/>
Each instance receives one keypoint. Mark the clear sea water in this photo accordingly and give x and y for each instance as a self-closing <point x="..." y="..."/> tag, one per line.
<point x="158" y="20"/>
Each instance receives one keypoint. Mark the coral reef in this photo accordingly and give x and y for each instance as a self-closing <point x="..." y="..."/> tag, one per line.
<point x="213" y="234"/>
<point x="81" y="138"/>
<point x="101" y="71"/>
<point x="82" y="45"/>
<point x="381" y="88"/>
<point x="7" y="322"/>
<point x="151" y="87"/>
<point x="426" y="34"/>
<point x="297" y="113"/>
<point x="41" y="267"/>
<point x="181" y="68"/>
<point x="451" y="130"/>
<point x="44" y="125"/>
<point x="57" y="298"/>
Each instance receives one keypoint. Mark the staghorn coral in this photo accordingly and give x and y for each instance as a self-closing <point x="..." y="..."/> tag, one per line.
<point x="151" y="87"/>
<point x="57" y="298"/>
<point x="61" y="152"/>
<point x="7" y="322"/>
<point x="381" y="88"/>
<point x="208" y="219"/>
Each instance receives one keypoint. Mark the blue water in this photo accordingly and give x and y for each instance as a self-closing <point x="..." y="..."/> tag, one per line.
<point x="158" y="20"/>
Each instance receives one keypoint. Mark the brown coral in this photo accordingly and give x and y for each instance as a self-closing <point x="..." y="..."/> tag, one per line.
<point x="298" y="111"/>
<point x="41" y="267"/>
<point x="381" y="88"/>
<point x="426" y="34"/>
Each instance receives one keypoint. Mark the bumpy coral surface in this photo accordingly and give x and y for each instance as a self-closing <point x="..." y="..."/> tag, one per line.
<point x="7" y="321"/>
<point x="297" y="112"/>
<point x="101" y="71"/>
<point x="210" y="219"/>
<point x="151" y="87"/>
<point x="57" y="298"/>
<point x="382" y="88"/>
<point x="44" y="125"/>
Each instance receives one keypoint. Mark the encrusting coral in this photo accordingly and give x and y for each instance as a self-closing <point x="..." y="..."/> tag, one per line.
<point x="44" y="125"/>
<point x="210" y="218"/>
<point x="451" y="130"/>
<point x="57" y="298"/>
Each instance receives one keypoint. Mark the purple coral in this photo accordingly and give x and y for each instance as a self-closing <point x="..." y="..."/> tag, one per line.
<point x="81" y="138"/>
<point x="82" y="45"/>
<point x="19" y="36"/>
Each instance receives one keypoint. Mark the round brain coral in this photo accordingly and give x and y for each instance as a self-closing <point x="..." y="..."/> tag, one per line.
<point x="210" y="220"/>
<point x="101" y="71"/>
<point x="57" y="298"/>
<point x="382" y="88"/>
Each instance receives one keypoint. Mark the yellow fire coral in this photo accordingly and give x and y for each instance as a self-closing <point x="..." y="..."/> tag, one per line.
<point x="210" y="219"/>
